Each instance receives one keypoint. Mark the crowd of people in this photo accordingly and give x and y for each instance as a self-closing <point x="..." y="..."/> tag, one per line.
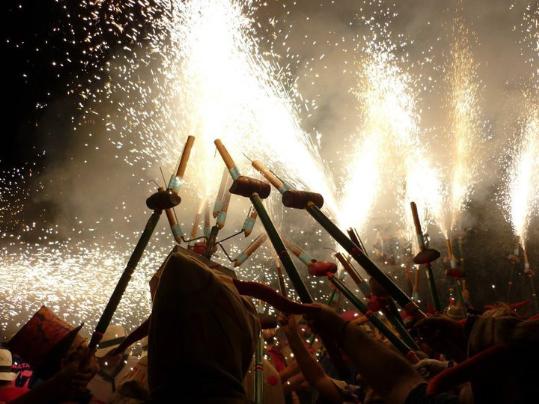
<point x="199" y="346"/>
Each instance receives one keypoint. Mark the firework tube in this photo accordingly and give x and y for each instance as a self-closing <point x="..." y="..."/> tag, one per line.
<point x="375" y="321"/>
<point x="280" y="277"/>
<point x="196" y="223"/>
<point x="388" y="308"/>
<point x="158" y="202"/>
<point x="366" y="263"/>
<point x="298" y="252"/>
<point x="528" y="271"/>
<point x="234" y="172"/>
<point x="351" y="248"/>
<point x="354" y="236"/>
<point x="249" y="222"/>
<point x="176" y="181"/>
<point x="251" y="248"/>
<point x="425" y="256"/>
<point x="276" y="240"/>
<point x="281" y="186"/>
<point x="221" y="217"/>
<point x="218" y="205"/>
<point x="177" y="230"/>
<point x="451" y="255"/>
<point x="514" y="259"/>
<point x="415" y="285"/>
<point x="259" y="370"/>
<point x="207" y="223"/>
<point x="350" y="270"/>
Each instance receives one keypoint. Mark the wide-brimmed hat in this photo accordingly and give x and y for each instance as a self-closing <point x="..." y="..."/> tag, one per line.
<point x="114" y="335"/>
<point x="6" y="363"/>
<point x="44" y="340"/>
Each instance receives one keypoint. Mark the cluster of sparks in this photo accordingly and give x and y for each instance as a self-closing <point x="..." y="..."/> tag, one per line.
<point x="521" y="194"/>
<point x="522" y="190"/>
<point x="464" y="127"/>
<point x="201" y="72"/>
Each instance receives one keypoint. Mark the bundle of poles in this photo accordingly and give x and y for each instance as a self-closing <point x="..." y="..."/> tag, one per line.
<point x="381" y="293"/>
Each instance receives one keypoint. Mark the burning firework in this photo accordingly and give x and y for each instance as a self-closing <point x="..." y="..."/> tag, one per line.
<point x="521" y="197"/>
<point x="390" y="151"/>
<point x="465" y="128"/>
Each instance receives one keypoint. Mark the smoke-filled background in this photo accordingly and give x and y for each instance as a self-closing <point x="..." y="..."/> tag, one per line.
<point x="373" y="104"/>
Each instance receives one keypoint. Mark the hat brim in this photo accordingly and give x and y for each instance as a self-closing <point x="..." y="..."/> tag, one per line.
<point x="7" y="376"/>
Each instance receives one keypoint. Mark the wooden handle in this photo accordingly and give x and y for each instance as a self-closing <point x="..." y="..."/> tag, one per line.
<point x="224" y="154"/>
<point x="267" y="174"/>
<point x="185" y="156"/>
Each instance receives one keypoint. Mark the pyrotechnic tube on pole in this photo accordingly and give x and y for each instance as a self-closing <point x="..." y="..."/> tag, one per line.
<point x="272" y="178"/>
<point x="350" y="270"/>
<point x="221" y="217"/>
<point x="249" y="222"/>
<point x="255" y="190"/>
<point x="514" y="259"/>
<point x="176" y="180"/>
<point x="528" y="271"/>
<point x="298" y="252"/>
<point x="374" y="320"/>
<point x="175" y="183"/>
<point x="196" y="222"/>
<point x="425" y="256"/>
<point x="251" y="248"/>
<point x="312" y="202"/>
<point x="207" y="222"/>
<point x="177" y="230"/>
<point x="161" y="200"/>
<point x="218" y="205"/>
<point x="280" y="277"/>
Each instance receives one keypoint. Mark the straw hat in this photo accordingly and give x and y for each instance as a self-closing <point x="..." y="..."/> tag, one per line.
<point x="113" y="336"/>
<point x="6" y="363"/>
<point x="44" y="340"/>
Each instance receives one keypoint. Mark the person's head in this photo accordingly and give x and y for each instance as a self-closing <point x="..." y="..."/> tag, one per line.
<point x="6" y="362"/>
<point x="47" y="342"/>
<point x="443" y="335"/>
<point x="202" y="333"/>
<point x="494" y="326"/>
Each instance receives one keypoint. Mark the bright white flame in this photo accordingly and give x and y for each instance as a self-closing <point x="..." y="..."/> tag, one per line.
<point x="228" y="91"/>
<point x="390" y="147"/>
<point x="524" y="178"/>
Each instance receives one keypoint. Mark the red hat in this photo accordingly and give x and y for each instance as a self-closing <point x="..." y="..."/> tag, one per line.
<point x="44" y="340"/>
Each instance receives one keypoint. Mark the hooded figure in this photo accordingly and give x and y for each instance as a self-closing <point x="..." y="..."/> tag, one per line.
<point x="202" y="335"/>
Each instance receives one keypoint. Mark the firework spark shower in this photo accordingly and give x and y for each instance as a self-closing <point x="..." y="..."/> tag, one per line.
<point x="373" y="105"/>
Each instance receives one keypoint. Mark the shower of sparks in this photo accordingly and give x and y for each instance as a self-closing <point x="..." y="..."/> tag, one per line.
<point x="193" y="68"/>
<point x="464" y="128"/>
<point x="228" y="90"/>
<point x="389" y="146"/>
<point x="523" y="182"/>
